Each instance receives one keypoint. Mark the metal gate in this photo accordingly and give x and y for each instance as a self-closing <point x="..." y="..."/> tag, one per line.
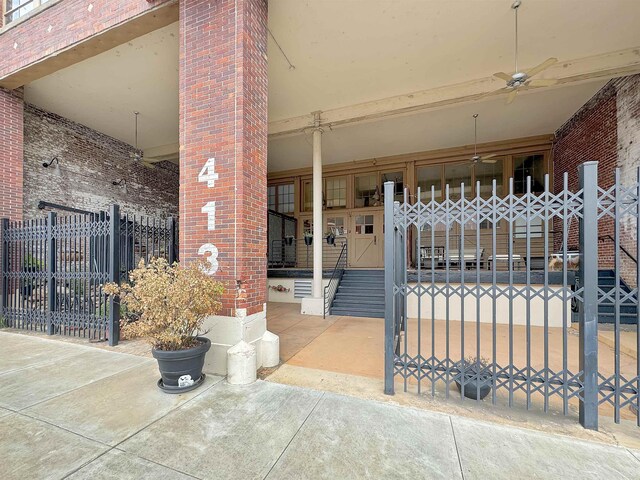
<point x="54" y="269"/>
<point x="497" y="284"/>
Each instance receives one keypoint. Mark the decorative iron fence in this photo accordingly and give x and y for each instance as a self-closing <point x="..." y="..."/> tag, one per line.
<point x="54" y="269"/>
<point x="452" y="324"/>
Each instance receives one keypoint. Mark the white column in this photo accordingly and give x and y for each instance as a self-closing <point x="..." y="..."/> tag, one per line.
<point x="314" y="305"/>
<point x="317" y="210"/>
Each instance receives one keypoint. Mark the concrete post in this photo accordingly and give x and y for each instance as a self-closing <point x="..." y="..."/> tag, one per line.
<point x="317" y="208"/>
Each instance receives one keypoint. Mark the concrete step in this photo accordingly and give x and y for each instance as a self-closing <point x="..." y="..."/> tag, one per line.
<point x="352" y="312"/>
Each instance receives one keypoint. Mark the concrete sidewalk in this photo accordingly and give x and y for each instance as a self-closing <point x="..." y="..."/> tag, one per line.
<point x="70" y="411"/>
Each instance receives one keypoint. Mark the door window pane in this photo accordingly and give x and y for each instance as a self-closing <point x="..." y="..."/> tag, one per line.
<point x="486" y="173"/>
<point x="428" y="176"/>
<point x="336" y="192"/>
<point x="364" y="224"/>
<point x="528" y="166"/>
<point x="397" y="178"/>
<point x="454" y="176"/>
<point x="367" y="193"/>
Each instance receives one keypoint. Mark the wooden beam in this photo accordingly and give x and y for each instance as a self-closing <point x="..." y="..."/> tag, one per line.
<point x="597" y="67"/>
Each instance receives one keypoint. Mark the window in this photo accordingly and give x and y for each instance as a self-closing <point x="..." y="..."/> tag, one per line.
<point x="307" y="193"/>
<point x="18" y="8"/>
<point x="367" y="193"/>
<point x="454" y="176"/>
<point x="485" y="173"/>
<point x="336" y="192"/>
<point x="364" y="224"/>
<point x="397" y="178"/>
<point x="528" y="166"/>
<point x="271" y="198"/>
<point x="335" y="225"/>
<point x="280" y="198"/>
<point x="428" y="177"/>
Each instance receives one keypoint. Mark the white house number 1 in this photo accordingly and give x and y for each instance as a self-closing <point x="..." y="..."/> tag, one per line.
<point x="208" y="174"/>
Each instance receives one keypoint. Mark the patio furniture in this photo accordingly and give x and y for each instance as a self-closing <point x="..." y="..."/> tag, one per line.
<point x="517" y="262"/>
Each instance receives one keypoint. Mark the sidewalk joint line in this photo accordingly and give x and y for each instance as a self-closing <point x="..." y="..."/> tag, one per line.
<point x="455" y="443"/>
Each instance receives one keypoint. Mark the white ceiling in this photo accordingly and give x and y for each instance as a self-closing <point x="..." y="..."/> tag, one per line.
<point x="348" y="52"/>
<point x="533" y="113"/>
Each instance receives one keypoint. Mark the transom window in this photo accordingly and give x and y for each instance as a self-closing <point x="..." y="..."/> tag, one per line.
<point x="364" y="224"/>
<point x="528" y="166"/>
<point x="367" y="192"/>
<point x="486" y="172"/>
<point x="398" y="179"/>
<point x="430" y="176"/>
<point x="455" y="175"/>
<point x="336" y="192"/>
<point x="281" y="198"/>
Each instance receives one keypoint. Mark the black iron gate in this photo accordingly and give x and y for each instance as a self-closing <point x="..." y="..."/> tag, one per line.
<point x="479" y="316"/>
<point x="54" y="269"/>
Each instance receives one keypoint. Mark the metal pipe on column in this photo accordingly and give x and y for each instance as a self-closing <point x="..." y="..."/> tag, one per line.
<point x="317" y="207"/>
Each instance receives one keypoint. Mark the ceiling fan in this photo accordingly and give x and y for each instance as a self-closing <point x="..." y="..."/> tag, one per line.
<point x="480" y="158"/>
<point x="521" y="80"/>
<point x="137" y="155"/>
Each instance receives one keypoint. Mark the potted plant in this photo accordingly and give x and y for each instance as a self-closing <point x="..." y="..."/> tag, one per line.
<point x="477" y="378"/>
<point x="288" y="240"/>
<point x="331" y="238"/>
<point x="171" y="303"/>
<point x="308" y="238"/>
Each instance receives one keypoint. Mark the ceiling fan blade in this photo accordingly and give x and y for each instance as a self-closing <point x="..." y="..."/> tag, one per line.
<point x="503" y="76"/>
<point x="148" y="164"/>
<point x="512" y="96"/>
<point x="491" y="155"/>
<point x="488" y="159"/>
<point x="543" y="82"/>
<point x="543" y="66"/>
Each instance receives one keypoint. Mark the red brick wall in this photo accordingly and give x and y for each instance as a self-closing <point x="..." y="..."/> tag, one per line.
<point x="64" y="25"/>
<point x="11" y="153"/>
<point x="223" y="115"/>
<point x="591" y="134"/>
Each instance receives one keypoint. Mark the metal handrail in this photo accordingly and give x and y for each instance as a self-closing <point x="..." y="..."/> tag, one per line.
<point x="610" y="238"/>
<point x="334" y="281"/>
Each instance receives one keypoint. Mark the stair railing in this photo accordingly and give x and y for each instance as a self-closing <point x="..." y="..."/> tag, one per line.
<point x="336" y="276"/>
<point x="624" y="250"/>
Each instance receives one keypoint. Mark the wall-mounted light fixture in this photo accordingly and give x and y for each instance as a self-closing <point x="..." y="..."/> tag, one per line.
<point x="50" y="162"/>
<point x="120" y="183"/>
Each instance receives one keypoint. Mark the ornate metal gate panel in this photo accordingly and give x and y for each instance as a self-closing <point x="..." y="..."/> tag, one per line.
<point x="496" y="287"/>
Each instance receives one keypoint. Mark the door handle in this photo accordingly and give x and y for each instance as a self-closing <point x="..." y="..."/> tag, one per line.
<point x="375" y="239"/>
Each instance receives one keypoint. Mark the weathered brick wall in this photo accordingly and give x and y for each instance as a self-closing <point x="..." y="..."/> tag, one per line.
<point x="223" y="115"/>
<point x="62" y="26"/>
<point x="11" y="117"/>
<point x="590" y="134"/>
<point x="89" y="162"/>
<point x="628" y="114"/>
<point x="606" y="129"/>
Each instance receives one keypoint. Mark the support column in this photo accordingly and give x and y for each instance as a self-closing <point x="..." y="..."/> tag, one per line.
<point x="223" y="162"/>
<point x="314" y="305"/>
<point x="11" y="148"/>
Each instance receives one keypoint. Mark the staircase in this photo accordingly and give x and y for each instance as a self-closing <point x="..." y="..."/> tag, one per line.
<point x="628" y="311"/>
<point x="360" y="294"/>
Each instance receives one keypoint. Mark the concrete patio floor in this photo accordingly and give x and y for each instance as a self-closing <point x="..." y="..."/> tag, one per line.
<point x="73" y="411"/>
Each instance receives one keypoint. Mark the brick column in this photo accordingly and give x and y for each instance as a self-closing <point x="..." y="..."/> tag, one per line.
<point x="223" y="159"/>
<point x="11" y="153"/>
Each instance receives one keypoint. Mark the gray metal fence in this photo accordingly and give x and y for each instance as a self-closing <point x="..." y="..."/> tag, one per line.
<point x="54" y="269"/>
<point x="511" y="330"/>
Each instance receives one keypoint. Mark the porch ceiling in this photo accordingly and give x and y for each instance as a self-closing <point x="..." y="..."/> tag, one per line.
<point x="350" y="53"/>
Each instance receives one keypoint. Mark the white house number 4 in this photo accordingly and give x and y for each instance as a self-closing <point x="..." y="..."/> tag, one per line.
<point x="208" y="174"/>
